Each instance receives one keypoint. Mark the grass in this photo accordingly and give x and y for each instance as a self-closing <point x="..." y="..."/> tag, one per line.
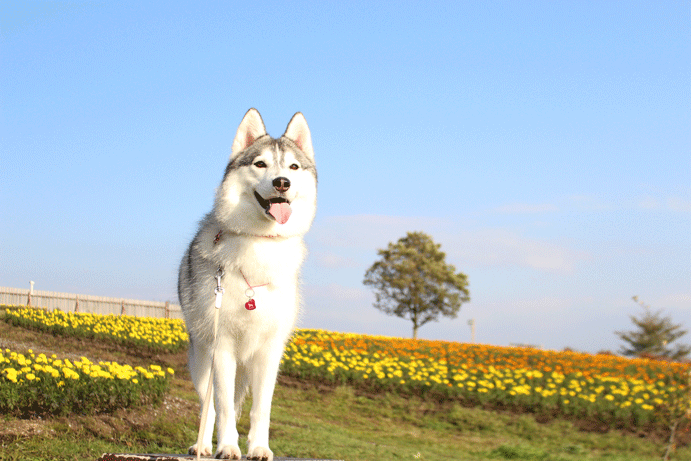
<point x="631" y="394"/>
<point x="309" y="420"/>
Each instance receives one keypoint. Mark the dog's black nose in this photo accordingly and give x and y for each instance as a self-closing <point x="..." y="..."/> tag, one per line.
<point x="281" y="184"/>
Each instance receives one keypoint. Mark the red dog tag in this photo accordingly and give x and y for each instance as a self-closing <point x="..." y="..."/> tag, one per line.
<point x="250" y="305"/>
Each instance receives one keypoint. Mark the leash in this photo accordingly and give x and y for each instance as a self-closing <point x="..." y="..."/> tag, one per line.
<point x="207" y="400"/>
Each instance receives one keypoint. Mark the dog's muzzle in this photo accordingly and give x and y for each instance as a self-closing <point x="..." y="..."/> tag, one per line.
<point x="276" y="207"/>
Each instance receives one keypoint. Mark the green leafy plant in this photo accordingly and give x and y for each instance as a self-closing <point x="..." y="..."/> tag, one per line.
<point x="33" y="384"/>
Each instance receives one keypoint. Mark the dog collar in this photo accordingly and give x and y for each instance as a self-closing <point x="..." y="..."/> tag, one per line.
<point x="218" y="236"/>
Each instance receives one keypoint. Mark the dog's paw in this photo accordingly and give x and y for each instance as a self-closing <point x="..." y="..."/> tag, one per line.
<point x="228" y="452"/>
<point x="261" y="453"/>
<point x="206" y="450"/>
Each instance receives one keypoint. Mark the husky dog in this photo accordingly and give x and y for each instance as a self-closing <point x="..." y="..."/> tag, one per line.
<point x="250" y="246"/>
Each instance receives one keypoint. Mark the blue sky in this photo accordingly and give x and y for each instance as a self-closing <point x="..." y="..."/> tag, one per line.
<point x="545" y="145"/>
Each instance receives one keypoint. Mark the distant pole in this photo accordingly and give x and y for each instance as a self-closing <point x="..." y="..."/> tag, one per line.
<point x="31" y="292"/>
<point x="471" y="322"/>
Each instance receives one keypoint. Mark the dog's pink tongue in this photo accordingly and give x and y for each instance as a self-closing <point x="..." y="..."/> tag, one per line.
<point x="280" y="212"/>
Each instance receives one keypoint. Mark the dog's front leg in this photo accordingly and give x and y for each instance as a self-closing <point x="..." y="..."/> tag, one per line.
<point x="225" y="367"/>
<point x="263" y="381"/>
<point x="200" y="365"/>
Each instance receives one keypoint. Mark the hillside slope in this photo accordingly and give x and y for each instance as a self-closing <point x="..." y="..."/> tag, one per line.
<point x="309" y="420"/>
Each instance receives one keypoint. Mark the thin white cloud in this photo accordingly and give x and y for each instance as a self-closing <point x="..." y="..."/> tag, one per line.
<point x="589" y="203"/>
<point x="527" y="208"/>
<point x="362" y="235"/>
<point x="673" y="203"/>
<point x="334" y="291"/>
<point x="676" y="301"/>
<point x="543" y="305"/>
<point x="649" y="203"/>
<point x="678" y="204"/>
<point x="365" y="231"/>
<point x="332" y="260"/>
<point x="342" y="308"/>
<point x="502" y="248"/>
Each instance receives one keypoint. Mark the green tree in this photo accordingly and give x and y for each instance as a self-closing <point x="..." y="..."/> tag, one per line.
<point x="654" y="335"/>
<point x="413" y="281"/>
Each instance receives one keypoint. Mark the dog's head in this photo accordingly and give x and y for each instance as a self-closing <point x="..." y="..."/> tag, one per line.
<point x="270" y="185"/>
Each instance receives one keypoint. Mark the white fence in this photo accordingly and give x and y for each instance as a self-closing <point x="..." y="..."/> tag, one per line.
<point x="68" y="302"/>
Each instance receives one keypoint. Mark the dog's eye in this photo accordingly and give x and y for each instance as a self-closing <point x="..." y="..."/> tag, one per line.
<point x="294" y="166"/>
<point x="260" y="164"/>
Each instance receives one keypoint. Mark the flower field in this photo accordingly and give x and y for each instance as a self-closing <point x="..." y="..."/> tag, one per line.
<point x="157" y="334"/>
<point x="611" y="389"/>
<point x="33" y="384"/>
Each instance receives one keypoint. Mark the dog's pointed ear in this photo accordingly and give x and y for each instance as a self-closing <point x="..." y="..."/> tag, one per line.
<point x="299" y="133"/>
<point x="251" y="128"/>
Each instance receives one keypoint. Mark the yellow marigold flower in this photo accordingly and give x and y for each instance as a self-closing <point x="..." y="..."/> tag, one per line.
<point x="11" y="374"/>
<point x="70" y="373"/>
